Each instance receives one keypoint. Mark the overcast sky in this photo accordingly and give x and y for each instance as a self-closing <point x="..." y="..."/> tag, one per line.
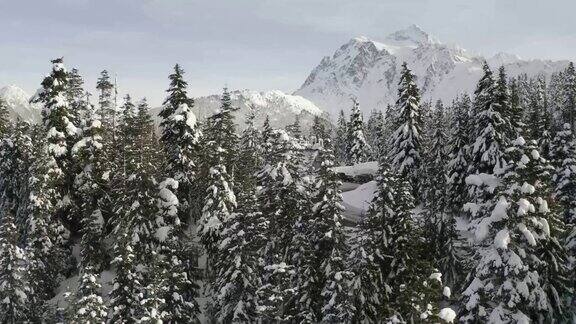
<point x="255" y="44"/>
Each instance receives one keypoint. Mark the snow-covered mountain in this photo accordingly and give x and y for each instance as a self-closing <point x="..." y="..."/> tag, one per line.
<point x="281" y="108"/>
<point x="18" y="106"/>
<point x="368" y="70"/>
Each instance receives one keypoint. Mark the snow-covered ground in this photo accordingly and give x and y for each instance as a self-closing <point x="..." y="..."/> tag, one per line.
<point x="358" y="200"/>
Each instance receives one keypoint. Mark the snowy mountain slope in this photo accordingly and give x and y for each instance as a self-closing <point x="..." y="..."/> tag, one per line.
<point x="18" y="105"/>
<point x="369" y="70"/>
<point x="281" y="108"/>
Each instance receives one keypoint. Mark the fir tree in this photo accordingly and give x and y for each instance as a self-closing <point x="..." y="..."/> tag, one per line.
<point x="221" y="132"/>
<point x="152" y="302"/>
<point x="569" y="95"/>
<point x="280" y="196"/>
<point x="539" y="117"/>
<point x="406" y="139"/>
<point x="319" y="130"/>
<point x="180" y="139"/>
<point x="450" y="263"/>
<point x="180" y="289"/>
<point x="88" y="306"/>
<point x="219" y="203"/>
<point x="564" y="152"/>
<point x="61" y="134"/>
<point x="126" y="295"/>
<point x="45" y="235"/>
<point x="294" y="129"/>
<point x="507" y="283"/>
<point x="374" y="128"/>
<point x="249" y="161"/>
<point x="340" y="141"/>
<point x="490" y="127"/>
<point x="90" y="185"/>
<point x="105" y="101"/>
<point x="15" y="290"/>
<point x="237" y="269"/>
<point x="357" y="148"/>
<point x="330" y="245"/>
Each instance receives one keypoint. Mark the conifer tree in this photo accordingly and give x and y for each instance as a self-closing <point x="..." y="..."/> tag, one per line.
<point x="180" y="139"/>
<point x="490" y="127"/>
<point x="330" y="246"/>
<point x="237" y="267"/>
<point x="219" y="203"/>
<point x="15" y="291"/>
<point x="319" y="130"/>
<point x="374" y="128"/>
<point x="564" y="152"/>
<point x="106" y="103"/>
<point x="249" y="161"/>
<point x="569" y="95"/>
<point x="508" y="282"/>
<point x="340" y="140"/>
<point x="152" y="300"/>
<point x="281" y="197"/>
<point x="538" y="116"/>
<point x="180" y="289"/>
<point x="127" y="293"/>
<point x="91" y="187"/>
<point x="294" y="129"/>
<point x="88" y="306"/>
<point x="61" y="134"/>
<point x="45" y="235"/>
<point x="406" y="140"/>
<point x="220" y="131"/>
<point x="357" y="147"/>
<point x="450" y="263"/>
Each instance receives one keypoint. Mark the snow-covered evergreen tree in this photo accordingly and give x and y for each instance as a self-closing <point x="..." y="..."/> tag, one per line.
<point x="405" y="153"/>
<point x="219" y="203"/>
<point x="15" y="290"/>
<point x="568" y="93"/>
<point x="564" y="154"/>
<point x="249" y="162"/>
<point x="330" y="245"/>
<point x="374" y="127"/>
<point x="282" y="197"/>
<point x="508" y="282"/>
<point x="180" y="289"/>
<point x="61" y="134"/>
<point x="181" y="140"/>
<point x="220" y="131"/>
<point x="88" y="306"/>
<point x="127" y="291"/>
<point x="357" y="148"/>
<point x="340" y="139"/>
<point x="237" y="266"/>
<point x="45" y="235"/>
<point x="106" y="102"/>
<point x="450" y="263"/>
<point x="90" y="185"/>
<point x="319" y="130"/>
<point x="489" y="136"/>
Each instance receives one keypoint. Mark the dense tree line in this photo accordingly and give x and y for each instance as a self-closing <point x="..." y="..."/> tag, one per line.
<point x="473" y="216"/>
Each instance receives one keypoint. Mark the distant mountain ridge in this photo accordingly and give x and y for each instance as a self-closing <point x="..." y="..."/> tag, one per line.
<point x="368" y="70"/>
<point x="364" y="69"/>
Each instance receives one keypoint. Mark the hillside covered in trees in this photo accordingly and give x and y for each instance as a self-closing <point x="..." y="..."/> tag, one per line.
<point x="473" y="218"/>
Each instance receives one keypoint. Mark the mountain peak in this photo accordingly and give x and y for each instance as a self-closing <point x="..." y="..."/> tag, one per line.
<point x="411" y="35"/>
